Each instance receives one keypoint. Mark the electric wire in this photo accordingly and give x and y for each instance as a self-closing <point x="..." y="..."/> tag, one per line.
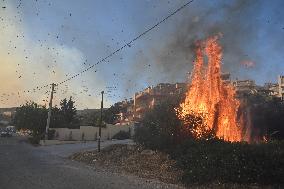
<point x="127" y="44"/>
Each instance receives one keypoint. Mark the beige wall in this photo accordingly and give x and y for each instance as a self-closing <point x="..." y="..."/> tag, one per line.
<point x="90" y="132"/>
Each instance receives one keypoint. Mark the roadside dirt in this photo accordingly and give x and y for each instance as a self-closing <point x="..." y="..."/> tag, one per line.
<point x="135" y="160"/>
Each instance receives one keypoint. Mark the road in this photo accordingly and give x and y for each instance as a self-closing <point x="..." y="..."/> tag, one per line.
<point x="23" y="166"/>
<point x="65" y="150"/>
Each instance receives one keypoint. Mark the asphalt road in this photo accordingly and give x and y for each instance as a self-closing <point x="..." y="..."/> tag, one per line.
<point x="23" y="166"/>
<point x="65" y="150"/>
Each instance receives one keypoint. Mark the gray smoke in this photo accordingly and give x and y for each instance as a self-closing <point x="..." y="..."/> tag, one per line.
<point x="171" y="59"/>
<point x="233" y="21"/>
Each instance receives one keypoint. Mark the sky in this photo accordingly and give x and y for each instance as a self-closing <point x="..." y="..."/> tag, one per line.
<point x="45" y="41"/>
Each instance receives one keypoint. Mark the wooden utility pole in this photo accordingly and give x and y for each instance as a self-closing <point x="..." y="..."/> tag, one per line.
<point x="101" y="122"/>
<point x="49" y="111"/>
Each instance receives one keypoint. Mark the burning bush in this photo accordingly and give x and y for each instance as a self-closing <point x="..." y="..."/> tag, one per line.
<point x="162" y="129"/>
<point x="194" y="126"/>
<point x="204" y="131"/>
<point x="209" y="159"/>
<point x="210" y="98"/>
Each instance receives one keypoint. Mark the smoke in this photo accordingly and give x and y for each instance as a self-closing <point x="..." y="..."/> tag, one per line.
<point x="165" y="55"/>
<point x="27" y="63"/>
<point x="229" y="20"/>
<point x="171" y="57"/>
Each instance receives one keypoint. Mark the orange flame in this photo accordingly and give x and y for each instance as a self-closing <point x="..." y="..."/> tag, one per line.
<point x="211" y="98"/>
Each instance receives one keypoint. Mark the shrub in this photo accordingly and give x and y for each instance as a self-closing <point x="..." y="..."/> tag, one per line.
<point x="35" y="139"/>
<point x="218" y="161"/>
<point x="121" y="135"/>
<point x="160" y="128"/>
<point x="51" y="134"/>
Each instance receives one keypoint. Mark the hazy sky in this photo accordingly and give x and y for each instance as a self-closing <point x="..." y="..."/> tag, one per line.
<point x="45" y="41"/>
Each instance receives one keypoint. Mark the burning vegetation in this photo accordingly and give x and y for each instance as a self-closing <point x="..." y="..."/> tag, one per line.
<point x="210" y="104"/>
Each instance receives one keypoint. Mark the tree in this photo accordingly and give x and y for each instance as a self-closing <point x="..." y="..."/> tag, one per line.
<point x="68" y="113"/>
<point x="57" y="119"/>
<point x="111" y="115"/>
<point x="31" y="116"/>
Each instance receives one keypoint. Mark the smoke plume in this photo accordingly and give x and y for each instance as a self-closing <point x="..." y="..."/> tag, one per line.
<point x="171" y="57"/>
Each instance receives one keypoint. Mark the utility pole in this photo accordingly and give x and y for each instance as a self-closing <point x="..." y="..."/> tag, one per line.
<point x="101" y="122"/>
<point x="49" y="111"/>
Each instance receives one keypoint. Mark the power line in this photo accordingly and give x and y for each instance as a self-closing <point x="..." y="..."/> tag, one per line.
<point x="38" y="88"/>
<point x="129" y="43"/>
<point x="19" y="94"/>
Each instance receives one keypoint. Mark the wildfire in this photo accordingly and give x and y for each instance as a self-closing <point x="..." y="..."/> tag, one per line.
<point x="209" y="97"/>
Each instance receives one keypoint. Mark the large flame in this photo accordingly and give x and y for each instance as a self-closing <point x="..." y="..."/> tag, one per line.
<point x="209" y="97"/>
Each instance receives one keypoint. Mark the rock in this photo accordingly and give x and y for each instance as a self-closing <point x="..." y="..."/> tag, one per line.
<point x="130" y="147"/>
<point x="148" y="152"/>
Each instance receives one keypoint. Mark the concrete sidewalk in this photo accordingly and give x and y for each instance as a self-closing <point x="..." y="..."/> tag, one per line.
<point x="65" y="150"/>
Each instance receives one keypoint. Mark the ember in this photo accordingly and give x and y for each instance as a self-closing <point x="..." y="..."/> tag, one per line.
<point x="211" y="98"/>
